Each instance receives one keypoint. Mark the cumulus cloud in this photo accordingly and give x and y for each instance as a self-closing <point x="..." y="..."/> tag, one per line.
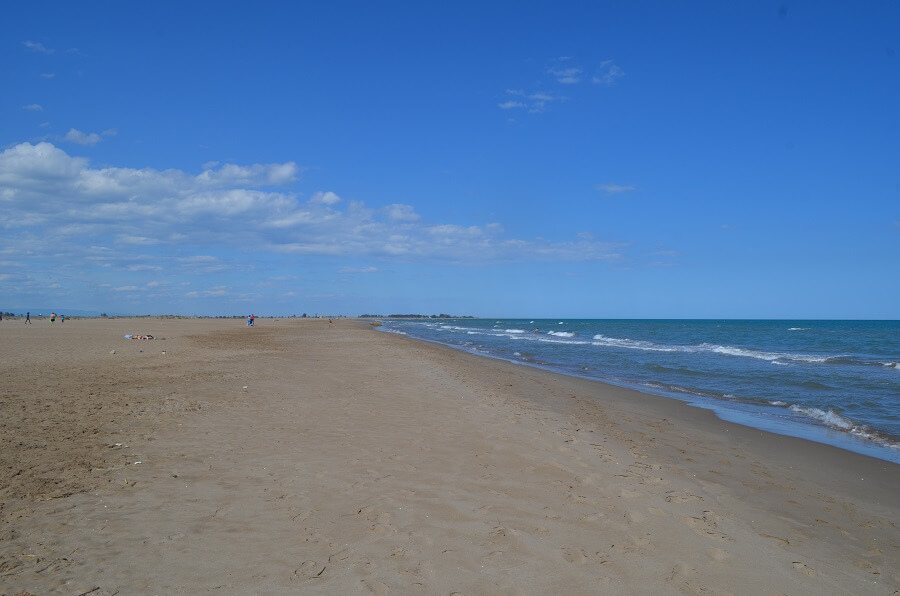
<point x="325" y="198"/>
<point x="400" y="212"/>
<point x="141" y="220"/>
<point x="33" y="107"/>
<point x="76" y="136"/>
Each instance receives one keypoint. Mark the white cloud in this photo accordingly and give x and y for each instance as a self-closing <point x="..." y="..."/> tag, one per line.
<point x="38" y="47"/>
<point x="607" y="73"/>
<point x="33" y="107"/>
<point x="210" y="293"/>
<point x="534" y="103"/>
<point x="400" y="212"/>
<point x="54" y="203"/>
<point x="76" y="136"/>
<point x="614" y="189"/>
<point x="358" y="270"/>
<point x="252" y="175"/>
<point x="48" y="75"/>
<point x="126" y="289"/>
<point x="566" y="75"/>
<point x="144" y="268"/>
<point x="325" y="198"/>
<point x="562" y="72"/>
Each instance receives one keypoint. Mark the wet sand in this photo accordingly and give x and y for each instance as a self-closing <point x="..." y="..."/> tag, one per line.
<point x="298" y="457"/>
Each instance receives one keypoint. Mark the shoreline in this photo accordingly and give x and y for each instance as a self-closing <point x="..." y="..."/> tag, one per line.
<point x="862" y="439"/>
<point x="295" y="456"/>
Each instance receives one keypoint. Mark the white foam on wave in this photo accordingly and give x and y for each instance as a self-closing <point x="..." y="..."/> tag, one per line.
<point x="834" y="420"/>
<point x="453" y="328"/>
<point x="514" y="331"/>
<point x="547" y="340"/>
<point x="800" y="329"/>
<point x="633" y="344"/>
<point x="829" y="417"/>
<point x="773" y="357"/>
<point x="561" y="333"/>
<point x="759" y="355"/>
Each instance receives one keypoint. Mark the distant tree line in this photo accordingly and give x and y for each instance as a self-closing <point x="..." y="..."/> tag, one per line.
<point x="440" y="316"/>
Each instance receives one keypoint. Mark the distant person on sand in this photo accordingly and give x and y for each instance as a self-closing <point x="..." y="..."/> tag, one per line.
<point x="52" y="317"/>
<point x="28" y="317"/>
<point x="331" y="322"/>
<point x="62" y="318"/>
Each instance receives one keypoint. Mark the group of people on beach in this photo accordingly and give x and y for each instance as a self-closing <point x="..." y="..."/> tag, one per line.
<point x="53" y="315"/>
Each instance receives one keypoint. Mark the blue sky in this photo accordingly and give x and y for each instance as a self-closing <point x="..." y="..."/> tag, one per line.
<point x="586" y="159"/>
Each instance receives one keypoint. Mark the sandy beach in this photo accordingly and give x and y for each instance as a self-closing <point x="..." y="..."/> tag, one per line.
<point x="298" y="457"/>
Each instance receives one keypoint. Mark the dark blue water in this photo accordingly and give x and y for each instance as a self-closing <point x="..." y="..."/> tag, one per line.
<point x="835" y="382"/>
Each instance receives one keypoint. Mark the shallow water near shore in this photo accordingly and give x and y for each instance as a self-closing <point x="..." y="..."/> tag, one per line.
<point x="834" y="382"/>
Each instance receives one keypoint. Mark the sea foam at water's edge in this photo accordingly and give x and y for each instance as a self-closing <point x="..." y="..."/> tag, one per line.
<point x="825" y="373"/>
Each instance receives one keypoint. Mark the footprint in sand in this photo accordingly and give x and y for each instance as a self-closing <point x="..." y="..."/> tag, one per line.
<point x="376" y="587"/>
<point x="866" y="566"/>
<point x="674" y="496"/>
<point x="635" y="517"/>
<point x="309" y="570"/>
<point x="707" y="525"/>
<point x="803" y="569"/>
<point x="682" y="571"/>
<point x="578" y="556"/>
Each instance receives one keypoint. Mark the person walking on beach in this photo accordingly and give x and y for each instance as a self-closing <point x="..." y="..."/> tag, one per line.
<point x="28" y="317"/>
<point x="52" y="317"/>
<point x="62" y="318"/>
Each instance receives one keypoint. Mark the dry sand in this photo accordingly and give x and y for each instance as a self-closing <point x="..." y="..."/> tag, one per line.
<point x="295" y="457"/>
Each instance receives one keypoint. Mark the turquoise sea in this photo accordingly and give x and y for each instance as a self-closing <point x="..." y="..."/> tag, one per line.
<point x="835" y="382"/>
